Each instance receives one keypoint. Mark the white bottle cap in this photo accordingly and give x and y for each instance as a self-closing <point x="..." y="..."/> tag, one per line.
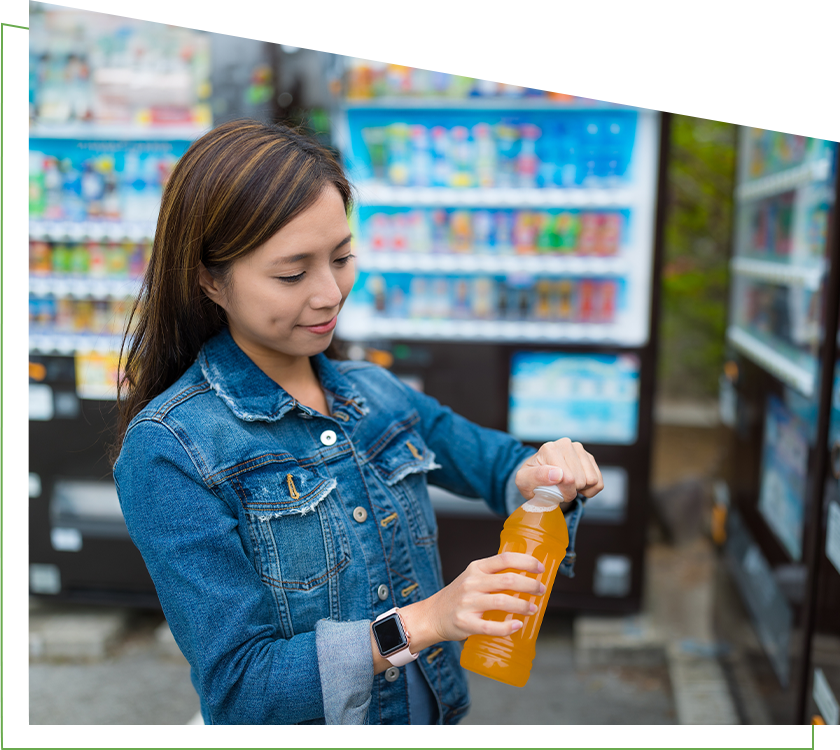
<point x="545" y="499"/>
<point x="551" y="493"/>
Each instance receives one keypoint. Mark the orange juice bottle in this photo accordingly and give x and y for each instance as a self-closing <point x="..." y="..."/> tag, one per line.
<point x="536" y="528"/>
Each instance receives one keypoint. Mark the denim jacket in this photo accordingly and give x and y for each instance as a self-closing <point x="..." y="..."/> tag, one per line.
<point x="275" y="534"/>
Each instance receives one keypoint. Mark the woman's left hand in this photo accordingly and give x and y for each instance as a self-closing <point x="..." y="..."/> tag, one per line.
<point x="565" y="464"/>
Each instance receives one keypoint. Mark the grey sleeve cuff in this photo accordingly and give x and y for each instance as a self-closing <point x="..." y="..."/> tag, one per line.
<point x="345" y="662"/>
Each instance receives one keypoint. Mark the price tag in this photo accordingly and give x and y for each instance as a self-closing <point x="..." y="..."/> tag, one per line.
<point x="41" y="407"/>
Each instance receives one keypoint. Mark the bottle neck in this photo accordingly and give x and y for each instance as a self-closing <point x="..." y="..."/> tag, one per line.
<point x="539" y="504"/>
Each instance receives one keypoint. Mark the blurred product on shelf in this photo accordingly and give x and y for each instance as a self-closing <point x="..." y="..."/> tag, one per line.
<point x="516" y="297"/>
<point x="768" y="151"/>
<point x="493" y="232"/>
<point x="589" y="149"/>
<point x="368" y="79"/>
<point x="57" y="315"/>
<point x="91" y="259"/>
<point x="101" y="181"/>
<point x="97" y="69"/>
<point x="772" y="226"/>
<point x="784" y="316"/>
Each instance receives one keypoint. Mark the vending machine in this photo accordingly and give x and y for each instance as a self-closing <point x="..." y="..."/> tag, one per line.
<point x="776" y="394"/>
<point x="507" y="243"/>
<point x="821" y="697"/>
<point x="114" y="102"/>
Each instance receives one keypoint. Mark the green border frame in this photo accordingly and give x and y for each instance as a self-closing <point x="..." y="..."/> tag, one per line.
<point x="759" y="63"/>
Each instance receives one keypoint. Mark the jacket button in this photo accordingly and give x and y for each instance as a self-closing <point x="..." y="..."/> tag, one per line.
<point x="391" y="674"/>
<point x="382" y="592"/>
<point x="360" y="514"/>
<point x="328" y="437"/>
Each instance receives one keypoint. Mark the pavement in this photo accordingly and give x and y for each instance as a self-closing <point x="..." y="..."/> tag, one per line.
<point x="661" y="666"/>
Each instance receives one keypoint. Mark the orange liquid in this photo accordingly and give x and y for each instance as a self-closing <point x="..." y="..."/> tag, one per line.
<point x="508" y="658"/>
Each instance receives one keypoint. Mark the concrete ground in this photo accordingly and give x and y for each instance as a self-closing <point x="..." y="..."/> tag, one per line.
<point x="95" y="666"/>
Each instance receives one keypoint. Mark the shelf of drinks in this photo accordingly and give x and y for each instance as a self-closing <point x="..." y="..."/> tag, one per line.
<point x="477" y="263"/>
<point x="788" y="365"/>
<point x="375" y="194"/>
<point x="808" y="275"/>
<point x="781" y="182"/>
<point x="116" y="132"/>
<point x="530" y="104"/>
<point x="78" y="231"/>
<point x="68" y="344"/>
<point x="358" y="325"/>
<point x="82" y="288"/>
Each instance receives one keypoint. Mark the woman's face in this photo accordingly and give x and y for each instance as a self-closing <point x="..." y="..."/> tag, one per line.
<point x="284" y="297"/>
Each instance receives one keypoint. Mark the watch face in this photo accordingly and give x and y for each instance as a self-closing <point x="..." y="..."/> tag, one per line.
<point x="389" y="635"/>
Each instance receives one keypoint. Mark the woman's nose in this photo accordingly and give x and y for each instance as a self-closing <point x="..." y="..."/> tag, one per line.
<point x="327" y="293"/>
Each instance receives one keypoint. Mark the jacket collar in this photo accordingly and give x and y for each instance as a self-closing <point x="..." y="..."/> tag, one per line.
<point x="253" y="396"/>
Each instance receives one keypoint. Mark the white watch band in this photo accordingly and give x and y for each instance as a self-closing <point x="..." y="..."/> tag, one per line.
<point x="404" y="656"/>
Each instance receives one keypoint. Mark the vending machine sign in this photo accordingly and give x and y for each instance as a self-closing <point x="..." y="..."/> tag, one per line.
<point x="832" y="535"/>
<point x="783" y="472"/>
<point x="590" y="397"/>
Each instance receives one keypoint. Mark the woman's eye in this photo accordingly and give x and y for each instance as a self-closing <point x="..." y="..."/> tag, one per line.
<point x="343" y="261"/>
<point x="290" y="279"/>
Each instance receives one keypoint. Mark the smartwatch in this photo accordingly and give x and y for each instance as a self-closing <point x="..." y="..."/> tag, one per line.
<point x="392" y="638"/>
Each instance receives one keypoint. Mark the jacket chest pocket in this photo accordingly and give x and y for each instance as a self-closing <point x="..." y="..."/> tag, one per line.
<point x="402" y="465"/>
<point x="299" y="540"/>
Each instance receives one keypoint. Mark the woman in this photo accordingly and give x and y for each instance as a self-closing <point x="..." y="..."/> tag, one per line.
<point x="278" y="496"/>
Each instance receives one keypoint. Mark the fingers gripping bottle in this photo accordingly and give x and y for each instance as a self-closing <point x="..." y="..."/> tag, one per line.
<point x="536" y="528"/>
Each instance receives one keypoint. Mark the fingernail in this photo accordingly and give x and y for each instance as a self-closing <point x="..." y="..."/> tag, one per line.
<point x="516" y="624"/>
<point x="554" y="475"/>
<point x="542" y="588"/>
<point x="540" y="568"/>
<point x="533" y="608"/>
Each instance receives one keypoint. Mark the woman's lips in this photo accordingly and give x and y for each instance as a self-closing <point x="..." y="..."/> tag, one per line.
<point x="323" y="327"/>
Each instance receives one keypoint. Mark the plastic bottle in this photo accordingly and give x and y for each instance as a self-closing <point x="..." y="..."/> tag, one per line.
<point x="536" y="528"/>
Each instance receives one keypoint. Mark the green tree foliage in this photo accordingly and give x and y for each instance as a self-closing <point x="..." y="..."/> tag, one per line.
<point x="697" y="239"/>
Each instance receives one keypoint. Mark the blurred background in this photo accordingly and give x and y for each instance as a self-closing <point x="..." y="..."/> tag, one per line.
<point x="660" y="287"/>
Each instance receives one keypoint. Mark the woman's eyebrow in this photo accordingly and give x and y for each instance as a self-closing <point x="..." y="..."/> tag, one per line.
<point x="343" y="242"/>
<point x="303" y="256"/>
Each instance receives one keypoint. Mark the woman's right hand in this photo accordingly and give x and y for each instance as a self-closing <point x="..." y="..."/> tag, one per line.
<point x="455" y="612"/>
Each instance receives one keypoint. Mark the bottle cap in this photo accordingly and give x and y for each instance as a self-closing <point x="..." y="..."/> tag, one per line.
<point x="551" y="493"/>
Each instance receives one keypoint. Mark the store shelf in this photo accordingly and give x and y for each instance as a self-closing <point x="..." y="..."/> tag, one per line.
<point x="373" y="194"/>
<point x="72" y="343"/>
<point x="799" y="374"/>
<point x="544" y="265"/>
<point x="359" y="325"/>
<point x="116" y="132"/>
<point x="530" y="104"/>
<point x="84" y="287"/>
<point x="79" y="231"/>
<point x="789" y="179"/>
<point x="808" y="275"/>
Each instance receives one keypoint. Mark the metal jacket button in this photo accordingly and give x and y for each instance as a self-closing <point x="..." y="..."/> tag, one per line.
<point x="391" y="674"/>
<point x="328" y="437"/>
<point x="382" y="592"/>
<point x="360" y="514"/>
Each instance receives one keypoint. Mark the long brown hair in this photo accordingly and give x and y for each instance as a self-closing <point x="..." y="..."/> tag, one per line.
<point x="232" y="190"/>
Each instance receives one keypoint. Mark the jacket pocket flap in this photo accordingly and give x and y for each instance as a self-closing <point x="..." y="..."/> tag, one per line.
<point x="405" y="454"/>
<point x="280" y="489"/>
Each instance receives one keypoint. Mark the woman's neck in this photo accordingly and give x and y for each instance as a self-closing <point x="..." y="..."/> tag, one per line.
<point x="295" y="375"/>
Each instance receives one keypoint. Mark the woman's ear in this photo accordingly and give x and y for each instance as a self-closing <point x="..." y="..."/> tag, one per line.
<point x="212" y="288"/>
